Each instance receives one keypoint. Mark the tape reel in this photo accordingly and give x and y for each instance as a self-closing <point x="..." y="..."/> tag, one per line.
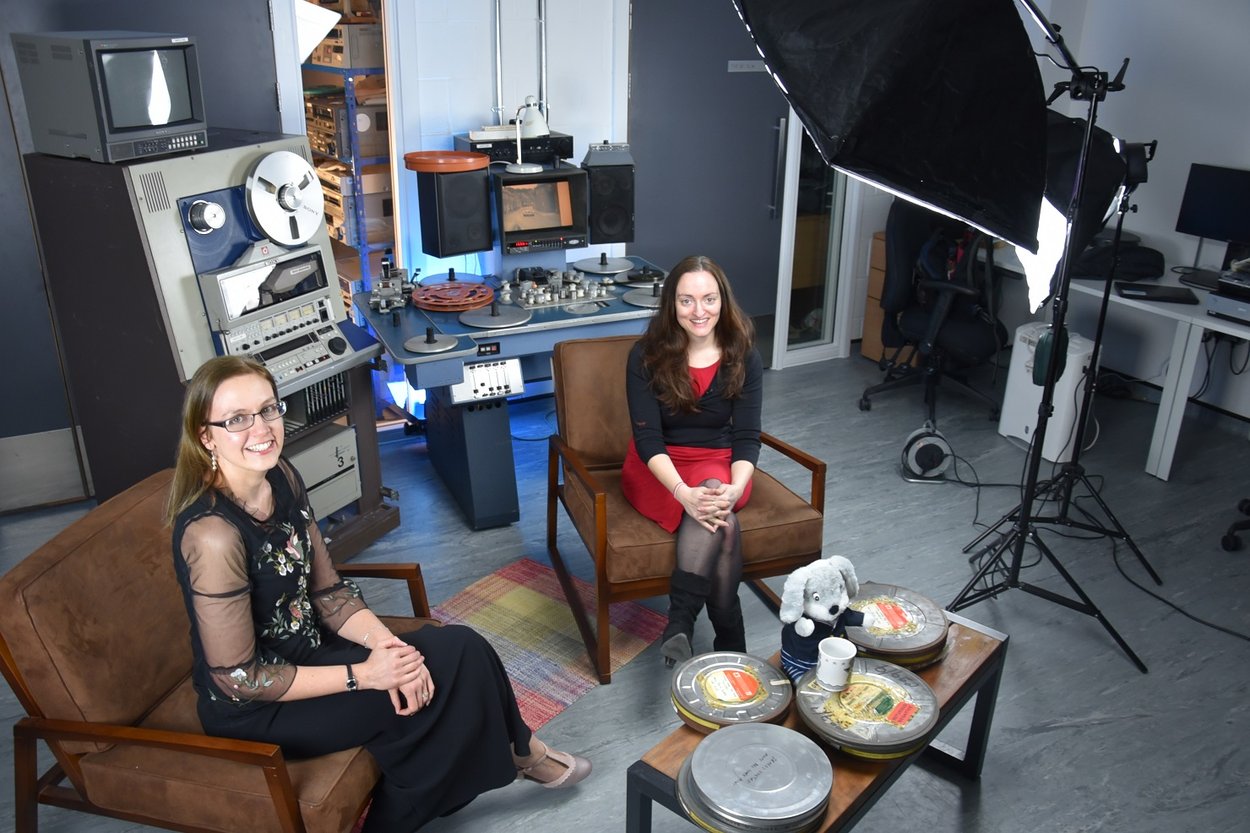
<point x="926" y="455"/>
<point x="284" y="198"/>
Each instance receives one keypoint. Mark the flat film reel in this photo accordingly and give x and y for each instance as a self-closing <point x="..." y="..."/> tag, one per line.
<point x="431" y="342"/>
<point x="284" y="198"/>
<point x="756" y="778"/>
<point x="451" y="276"/>
<point x="899" y="625"/>
<point x="604" y="265"/>
<point x="456" y="296"/>
<point x="642" y="297"/>
<point x="495" y="317"/>
<point x="724" y="688"/>
<point x="885" y="711"/>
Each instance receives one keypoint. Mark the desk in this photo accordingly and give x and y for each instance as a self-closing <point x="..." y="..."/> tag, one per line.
<point x="1191" y="322"/>
<point x="973" y="665"/>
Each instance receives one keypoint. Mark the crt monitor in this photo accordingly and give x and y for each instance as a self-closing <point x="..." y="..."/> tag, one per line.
<point x="1216" y="205"/>
<point x="111" y="96"/>
<point x="541" y="211"/>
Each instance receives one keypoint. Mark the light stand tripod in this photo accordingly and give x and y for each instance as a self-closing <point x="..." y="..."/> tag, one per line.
<point x="1060" y="487"/>
<point x="1091" y="86"/>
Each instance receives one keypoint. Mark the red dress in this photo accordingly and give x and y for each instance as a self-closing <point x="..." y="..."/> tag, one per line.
<point x="695" y="465"/>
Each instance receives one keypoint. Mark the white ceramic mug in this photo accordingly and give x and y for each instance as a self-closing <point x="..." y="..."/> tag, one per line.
<point x="833" y="671"/>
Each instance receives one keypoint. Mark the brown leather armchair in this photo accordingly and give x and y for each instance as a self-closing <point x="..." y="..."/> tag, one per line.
<point x="94" y="642"/>
<point x="632" y="557"/>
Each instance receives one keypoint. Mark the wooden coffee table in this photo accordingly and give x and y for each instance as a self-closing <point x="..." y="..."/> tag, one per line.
<point x="973" y="665"/>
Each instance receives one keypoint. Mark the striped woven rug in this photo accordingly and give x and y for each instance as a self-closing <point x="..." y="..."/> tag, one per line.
<point x="522" y="611"/>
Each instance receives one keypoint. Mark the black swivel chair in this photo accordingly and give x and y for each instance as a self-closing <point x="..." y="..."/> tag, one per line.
<point x="948" y="321"/>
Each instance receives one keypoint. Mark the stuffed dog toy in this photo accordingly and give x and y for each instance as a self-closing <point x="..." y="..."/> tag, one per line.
<point x="814" y="604"/>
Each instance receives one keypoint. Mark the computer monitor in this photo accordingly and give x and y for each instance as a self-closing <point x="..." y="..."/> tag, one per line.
<point x="1216" y="205"/>
<point x="542" y="211"/>
<point x="110" y="96"/>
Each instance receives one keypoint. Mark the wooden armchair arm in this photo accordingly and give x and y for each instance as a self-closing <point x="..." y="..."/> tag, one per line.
<point x="410" y="573"/>
<point x="267" y="756"/>
<point x="253" y="753"/>
<point x="817" y="467"/>
<point x="584" y="473"/>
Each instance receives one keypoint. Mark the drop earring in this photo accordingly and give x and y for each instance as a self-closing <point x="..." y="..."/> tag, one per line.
<point x="212" y="459"/>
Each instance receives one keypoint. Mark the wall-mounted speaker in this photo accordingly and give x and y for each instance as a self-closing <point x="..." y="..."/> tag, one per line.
<point x="610" y="170"/>
<point x="455" y="212"/>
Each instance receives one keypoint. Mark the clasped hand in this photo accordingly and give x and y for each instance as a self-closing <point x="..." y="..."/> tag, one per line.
<point x="398" y="668"/>
<point x="710" y="505"/>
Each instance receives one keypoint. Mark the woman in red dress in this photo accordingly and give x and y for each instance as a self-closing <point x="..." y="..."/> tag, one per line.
<point x="694" y="384"/>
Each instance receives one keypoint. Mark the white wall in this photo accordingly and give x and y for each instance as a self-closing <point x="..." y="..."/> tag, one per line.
<point x="441" y="67"/>
<point x="1186" y="87"/>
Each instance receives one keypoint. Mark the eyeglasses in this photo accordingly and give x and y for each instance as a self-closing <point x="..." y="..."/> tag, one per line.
<point x="242" y="422"/>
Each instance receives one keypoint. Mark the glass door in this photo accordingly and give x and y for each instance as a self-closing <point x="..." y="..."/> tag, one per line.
<point x="811" y="253"/>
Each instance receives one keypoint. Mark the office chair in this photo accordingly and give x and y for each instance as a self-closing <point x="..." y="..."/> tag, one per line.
<point x="1231" y="541"/>
<point x="942" y="319"/>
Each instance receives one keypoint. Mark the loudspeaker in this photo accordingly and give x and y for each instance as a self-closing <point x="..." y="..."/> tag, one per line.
<point x="610" y="170"/>
<point x="455" y="212"/>
<point x="611" y="204"/>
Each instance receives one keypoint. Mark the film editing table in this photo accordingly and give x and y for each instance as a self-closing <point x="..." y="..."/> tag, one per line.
<point x="972" y="667"/>
<point x="467" y="425"/>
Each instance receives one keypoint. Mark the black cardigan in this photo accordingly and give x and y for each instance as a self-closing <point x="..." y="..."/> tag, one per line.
<point x="719" y="422"/>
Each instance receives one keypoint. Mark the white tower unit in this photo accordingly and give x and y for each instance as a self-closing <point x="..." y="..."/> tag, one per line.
<point x="1018" y="417"/>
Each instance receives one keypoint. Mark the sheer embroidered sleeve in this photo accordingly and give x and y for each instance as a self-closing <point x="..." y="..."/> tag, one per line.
<point x="336" y="599"/>
<point x="221" y="598"/>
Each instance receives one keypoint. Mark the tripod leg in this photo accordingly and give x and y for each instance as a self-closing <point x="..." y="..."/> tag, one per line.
<point x="1043" y="488"/>
<point x="1121" y="533"/>
<point x="1010" y="516"/>
<point x="968" y="597"/>
<point x="1085" y="606"/>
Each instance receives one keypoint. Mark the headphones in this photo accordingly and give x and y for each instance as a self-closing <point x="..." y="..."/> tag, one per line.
<point x="926" y="454"/>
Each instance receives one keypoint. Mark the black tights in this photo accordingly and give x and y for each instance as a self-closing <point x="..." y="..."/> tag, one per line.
<point x="717" y="556"/>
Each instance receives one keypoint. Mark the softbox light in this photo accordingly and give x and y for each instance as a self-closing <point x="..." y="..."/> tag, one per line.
<point x="937" y="102"/>
<point x="1104" y="173"/>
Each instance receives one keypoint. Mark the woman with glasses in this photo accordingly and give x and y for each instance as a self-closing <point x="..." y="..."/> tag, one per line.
<point x="286" y="651"/>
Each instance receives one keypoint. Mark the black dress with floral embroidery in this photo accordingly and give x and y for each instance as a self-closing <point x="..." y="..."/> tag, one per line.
<point x="263" y="598"/>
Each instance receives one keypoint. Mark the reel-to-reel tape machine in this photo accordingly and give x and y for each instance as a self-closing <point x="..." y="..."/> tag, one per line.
<point x="155" y="266"/>
<point x="261" y="272"/>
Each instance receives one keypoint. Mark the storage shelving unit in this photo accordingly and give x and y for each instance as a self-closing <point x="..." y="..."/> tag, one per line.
<point x="363" y="249"/>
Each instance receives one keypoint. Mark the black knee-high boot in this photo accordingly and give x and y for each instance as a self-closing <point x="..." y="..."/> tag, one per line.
<point x="686" y="594"/>
<point x="731" y="633"/>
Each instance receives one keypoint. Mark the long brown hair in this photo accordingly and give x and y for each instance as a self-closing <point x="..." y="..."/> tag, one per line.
<point x="193" y="469"/>
<point x="664" y="343"/>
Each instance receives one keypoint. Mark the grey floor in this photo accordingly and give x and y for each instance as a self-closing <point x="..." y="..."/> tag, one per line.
<point x="1082" y="741"/>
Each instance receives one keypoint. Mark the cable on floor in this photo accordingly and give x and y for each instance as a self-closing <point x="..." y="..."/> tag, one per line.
<point x="1115" y="557"/>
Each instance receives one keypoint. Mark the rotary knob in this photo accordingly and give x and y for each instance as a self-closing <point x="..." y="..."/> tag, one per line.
<point x="337" y="345"/>
<point x="205" y="216"/>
